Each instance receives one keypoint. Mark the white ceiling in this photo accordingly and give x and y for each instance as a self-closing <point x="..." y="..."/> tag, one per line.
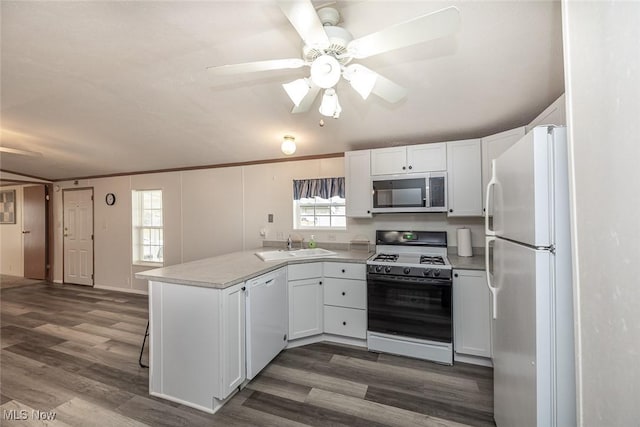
<point x="110" y="87"/>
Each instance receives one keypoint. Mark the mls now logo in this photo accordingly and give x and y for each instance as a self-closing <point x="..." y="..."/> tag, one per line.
<point x="15" y="414"/>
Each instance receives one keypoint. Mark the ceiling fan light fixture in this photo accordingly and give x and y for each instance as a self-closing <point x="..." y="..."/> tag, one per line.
<point x="297" y="90"/>
<point x="325" y="71"/>
<point x="362" y="79"/>
<point x="330" y="106"/>
<point x="288" y="146"/>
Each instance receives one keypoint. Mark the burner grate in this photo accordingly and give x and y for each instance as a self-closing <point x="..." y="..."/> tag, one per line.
<point x="386" y="257"/>
<point x="431" y="260"/>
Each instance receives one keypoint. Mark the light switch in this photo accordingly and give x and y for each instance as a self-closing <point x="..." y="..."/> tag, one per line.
<point x="270" y="218"/>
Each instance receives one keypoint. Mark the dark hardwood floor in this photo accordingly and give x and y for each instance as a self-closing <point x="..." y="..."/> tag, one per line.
<point x="73" y="351"/>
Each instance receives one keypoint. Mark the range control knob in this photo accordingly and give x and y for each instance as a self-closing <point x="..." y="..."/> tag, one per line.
<point x="407" y="270"/>
<point x="426" y="273"/>
<point x="387" y="269"/>
<point x="378" y="268"/>
<point x="436" y="273"/>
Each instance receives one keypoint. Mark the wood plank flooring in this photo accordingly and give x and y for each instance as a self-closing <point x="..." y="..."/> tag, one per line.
<point x="73" y="351"/>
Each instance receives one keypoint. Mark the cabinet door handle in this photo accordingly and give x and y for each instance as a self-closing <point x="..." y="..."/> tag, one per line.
<point x="320" y="282"/>
<point x="404" y="168"/>
<point x="343" y="270"/>
<point x="344" y="293"/>
<point x="455" y="275"/>
<point x="244" y="288"/>
<point x="450" y="210"/>
<point x="344" y="323"/>
<point x="410" y="167"/>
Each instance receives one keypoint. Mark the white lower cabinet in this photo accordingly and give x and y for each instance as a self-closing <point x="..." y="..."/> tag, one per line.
<point x="197" y="343"/>
<point x="345" y="299"/>
<point x="305" y="300"/>
<point x="347" y="322"/>
<point x="471" y="313"/>
<point x="233" y="347"/>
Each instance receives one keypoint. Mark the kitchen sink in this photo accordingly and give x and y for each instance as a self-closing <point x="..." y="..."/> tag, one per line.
<point x="294" y="254"/>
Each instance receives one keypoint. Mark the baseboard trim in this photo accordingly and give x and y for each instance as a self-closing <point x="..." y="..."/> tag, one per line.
<point x="326" y="338"/>
<point x="126" y="290"/>
<point x="473" y="360"/>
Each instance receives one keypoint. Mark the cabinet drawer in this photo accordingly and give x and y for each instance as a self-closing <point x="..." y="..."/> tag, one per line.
<point x="348" y="322"/>
<point x="345" y="270"/>
<point x="345" y="292"/>
<point x="304" y="271"/>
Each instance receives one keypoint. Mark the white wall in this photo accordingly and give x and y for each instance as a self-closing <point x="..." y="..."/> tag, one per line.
<point x="11" y="245"/>
<point x="213" y="211"/>
<point x="602" y="72"/>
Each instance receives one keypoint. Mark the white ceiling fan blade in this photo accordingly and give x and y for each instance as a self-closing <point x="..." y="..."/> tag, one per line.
<point x="20" y="152"/>
<point x="417" y="30"/>
<point x="366" y="81"/>
<point x="304" y="18"/>
<point x="252" y="67"/>
<point x="307" y="101"/>
<point x="388" y="90"/>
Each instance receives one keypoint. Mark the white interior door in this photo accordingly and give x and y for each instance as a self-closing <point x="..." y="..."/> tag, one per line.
<point x="78" y="236"/>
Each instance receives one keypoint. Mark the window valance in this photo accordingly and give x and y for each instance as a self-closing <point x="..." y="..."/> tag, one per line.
<point x="321" y="187"/>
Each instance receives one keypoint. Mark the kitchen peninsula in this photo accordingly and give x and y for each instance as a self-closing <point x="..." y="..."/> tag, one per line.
<point x="198" y="319"/>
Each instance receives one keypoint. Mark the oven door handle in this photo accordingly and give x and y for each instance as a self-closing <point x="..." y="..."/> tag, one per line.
<point x="443" y="283"/>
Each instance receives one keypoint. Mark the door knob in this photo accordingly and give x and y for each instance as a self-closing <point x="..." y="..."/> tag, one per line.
<point x="26" y="232"/>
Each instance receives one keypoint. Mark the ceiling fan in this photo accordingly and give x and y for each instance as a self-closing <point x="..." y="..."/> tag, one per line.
<point x="329" y="49"/>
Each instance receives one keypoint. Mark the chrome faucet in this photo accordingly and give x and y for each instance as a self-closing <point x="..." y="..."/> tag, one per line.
<point x="289" y="243"/>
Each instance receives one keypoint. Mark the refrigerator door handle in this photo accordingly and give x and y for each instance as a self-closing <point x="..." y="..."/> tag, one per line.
<point x="488" y="231"/>
<point x="494" y="299"/>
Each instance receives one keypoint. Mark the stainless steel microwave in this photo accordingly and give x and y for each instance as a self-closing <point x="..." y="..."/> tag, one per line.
<point x="424" y="192"/>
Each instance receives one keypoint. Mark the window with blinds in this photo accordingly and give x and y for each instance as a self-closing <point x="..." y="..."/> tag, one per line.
<point x="148" y="238"/>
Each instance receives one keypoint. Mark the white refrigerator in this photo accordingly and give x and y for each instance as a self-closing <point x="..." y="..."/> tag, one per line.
<point x="529" y="275"/>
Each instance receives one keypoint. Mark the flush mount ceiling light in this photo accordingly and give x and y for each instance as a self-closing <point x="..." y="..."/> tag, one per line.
<point x="288" y="146"/>
<point x="330" y="106"/>
<point x="328" y="49"/>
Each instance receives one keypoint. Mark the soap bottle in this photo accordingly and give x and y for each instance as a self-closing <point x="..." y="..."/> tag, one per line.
<point x="312" y="242"/>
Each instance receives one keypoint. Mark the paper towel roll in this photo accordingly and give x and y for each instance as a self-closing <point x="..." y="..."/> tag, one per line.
<point x="464" y="242"/>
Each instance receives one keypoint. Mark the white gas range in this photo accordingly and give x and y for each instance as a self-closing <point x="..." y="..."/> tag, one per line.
<point x="409" y="295"/>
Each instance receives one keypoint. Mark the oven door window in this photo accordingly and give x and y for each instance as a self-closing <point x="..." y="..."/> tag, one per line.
<point x="410" y="309"/>
<point x="400" y="193"/>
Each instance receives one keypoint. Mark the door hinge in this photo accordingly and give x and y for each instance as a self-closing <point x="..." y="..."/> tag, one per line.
<point x="92" y="237"/>
<point x="91" y="198"/>
<point x="91" y="276"/>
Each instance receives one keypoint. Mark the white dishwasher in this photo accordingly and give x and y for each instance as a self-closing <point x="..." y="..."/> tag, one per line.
<point x="267" y="319"/>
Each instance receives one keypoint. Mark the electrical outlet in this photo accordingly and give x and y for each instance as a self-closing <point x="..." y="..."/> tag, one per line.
<point x="270" y="218"/>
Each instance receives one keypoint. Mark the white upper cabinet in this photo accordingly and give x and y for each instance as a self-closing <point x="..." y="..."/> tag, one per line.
<point x="492" y="147"/>
<point x="464" y="173"/>
<point x="427" y="157"/>
<point x="357" y="166"/>
<point x="409" y="159"/>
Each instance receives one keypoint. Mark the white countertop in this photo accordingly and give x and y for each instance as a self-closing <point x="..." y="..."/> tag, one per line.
<point x="226" y="270"/>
